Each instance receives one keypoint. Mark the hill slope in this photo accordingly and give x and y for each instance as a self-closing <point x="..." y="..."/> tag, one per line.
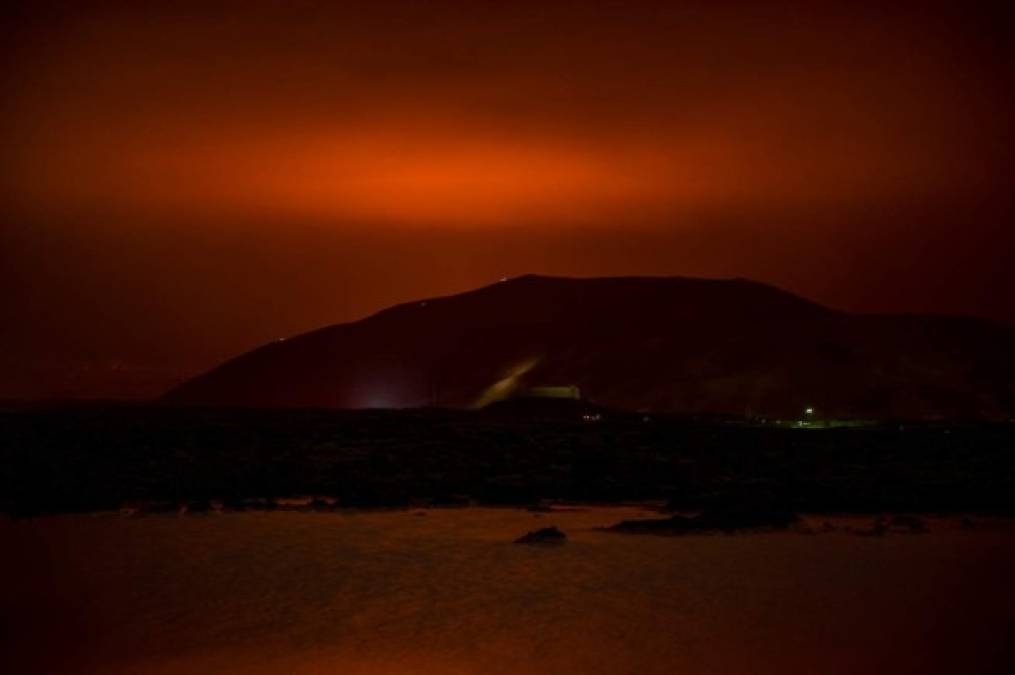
<point x="663" y="344"/>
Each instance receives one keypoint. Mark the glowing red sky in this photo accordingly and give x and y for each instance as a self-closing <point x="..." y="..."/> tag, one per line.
<point x="184" y="181"/>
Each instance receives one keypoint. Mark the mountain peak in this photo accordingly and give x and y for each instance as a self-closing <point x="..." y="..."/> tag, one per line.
<point x="669" y="344"/>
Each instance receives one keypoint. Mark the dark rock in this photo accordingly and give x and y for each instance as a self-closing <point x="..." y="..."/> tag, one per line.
<point x="261" y="504"/>
<point x="713" y="520"/>
<point x="910" y="524"/>
<point x="161" y="507"/>
<point x="234" y="504"/>
<point x="877" y="529"/>
<point x="318" y="504"/>
<point x="547" y="535"/>
<point x="198" y="506"/>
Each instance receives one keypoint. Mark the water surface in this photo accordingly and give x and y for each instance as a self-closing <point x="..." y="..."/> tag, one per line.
<point x="445" y="591"/>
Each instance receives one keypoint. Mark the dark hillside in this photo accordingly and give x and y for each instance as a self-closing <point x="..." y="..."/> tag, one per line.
<point x="676" y="345"/>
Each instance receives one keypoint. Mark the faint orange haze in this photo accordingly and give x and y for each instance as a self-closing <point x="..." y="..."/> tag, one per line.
<point x="405" y="174"/>
<point x="390" y="114"/>
<point x="389" y="176"/>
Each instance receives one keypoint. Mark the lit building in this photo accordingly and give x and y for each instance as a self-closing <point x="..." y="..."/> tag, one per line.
<point x="566" y="391"/>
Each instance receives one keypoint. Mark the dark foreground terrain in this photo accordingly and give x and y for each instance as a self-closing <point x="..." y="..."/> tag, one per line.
<point x="95" y="458"/>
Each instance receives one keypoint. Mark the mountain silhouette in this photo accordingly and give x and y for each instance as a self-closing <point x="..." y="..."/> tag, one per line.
<point x="662" y="344"/>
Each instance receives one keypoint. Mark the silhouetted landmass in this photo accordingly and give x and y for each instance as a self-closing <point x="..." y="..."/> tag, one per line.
<point x="724" y="518"/>
<point x="82" y="459"/>
<point x="673" y="345"/>
<point x="546" y="535"/>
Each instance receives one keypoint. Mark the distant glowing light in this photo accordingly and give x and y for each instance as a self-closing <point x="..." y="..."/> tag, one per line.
<point x="809" y="411"/>
<point x="505" y="386"/>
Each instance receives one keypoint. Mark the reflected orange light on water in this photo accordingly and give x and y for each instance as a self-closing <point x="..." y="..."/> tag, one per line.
<point x="391" y="592"/>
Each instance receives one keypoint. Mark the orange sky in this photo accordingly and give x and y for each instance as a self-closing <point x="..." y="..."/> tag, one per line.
<point x="184" y="180"/>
